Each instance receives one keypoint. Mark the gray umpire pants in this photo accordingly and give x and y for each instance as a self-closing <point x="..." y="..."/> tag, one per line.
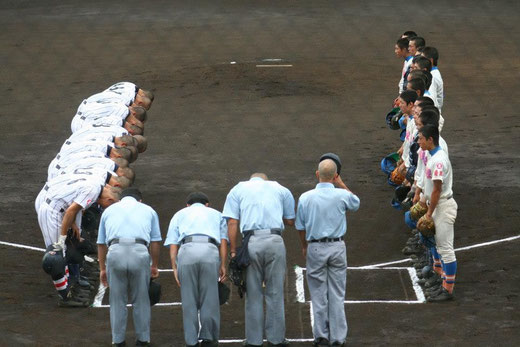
<point x="128" y="270"/>
<point x="327" y="279"/>
<point x="198" y="265"/>
<point x="267" y="256"/>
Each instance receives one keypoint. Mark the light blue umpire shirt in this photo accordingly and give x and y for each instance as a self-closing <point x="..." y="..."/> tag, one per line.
<point x="196" y="219"/>
<point x="129" y="218"/>
<point x="259" y="204"/>
<point x="321" y="211"/>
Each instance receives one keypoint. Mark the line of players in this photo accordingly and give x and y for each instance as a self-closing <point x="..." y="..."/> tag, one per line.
<point x="420" y="169"/>
<point x="86" y="176"/>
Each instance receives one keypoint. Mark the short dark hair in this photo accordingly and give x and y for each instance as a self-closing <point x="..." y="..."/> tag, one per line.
<point x="431" y="53"/>
<point x="419" y="41"/>
<point x="422" y="62"/>
<point x="197" y="197"/>
<point x="426" y="76"/>
<point x="417" y="84"/>
<point x="133" y="192"/>
<point x="409" y="96"/>
<point x="430" y="131"/>
<point x="402" y="43"/>
<point x="409" y="34"/>
<point x="425" y="101"/>
<point x="430" y="116"/>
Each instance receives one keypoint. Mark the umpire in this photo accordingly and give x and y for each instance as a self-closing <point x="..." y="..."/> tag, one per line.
<point x="262" y="207"/>
<point x="322" y="223"/>
<point x="126" y="230"/>
<point x="201" y="234"/>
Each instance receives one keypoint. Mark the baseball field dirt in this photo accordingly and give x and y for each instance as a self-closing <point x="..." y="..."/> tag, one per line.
<point x="220" y="115"/>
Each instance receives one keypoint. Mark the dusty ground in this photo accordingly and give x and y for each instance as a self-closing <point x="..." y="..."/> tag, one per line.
<point x="213" y="123"/>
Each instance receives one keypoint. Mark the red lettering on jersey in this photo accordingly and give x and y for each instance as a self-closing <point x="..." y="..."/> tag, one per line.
<point x="428" y="173"/>
<point x="439" y="165"/>
<point x="89" y="201"/>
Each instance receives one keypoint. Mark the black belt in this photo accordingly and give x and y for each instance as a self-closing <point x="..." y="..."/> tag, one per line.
<point x="116" y="241"/>
<point x="275" y="231"/>
<point x="48" y="201"/>
<point x="197" y="238"/>
<point x="327" y="239"/>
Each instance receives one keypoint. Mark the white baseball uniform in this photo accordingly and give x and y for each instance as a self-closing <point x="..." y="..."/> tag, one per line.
<point x="98" y="132"/>
<point x="437" y="87"/>
<point x="57" y="195"/>
<point x="56" y="165"/>
<point x="98" y="113"/>
<point x="127" y="90"/>
<point x="87" y="164"/>
<point x="445" y="213"/>
<point x="411" y="129"/>
<point x="406" y="65"/>
<point x="422" y="160"/>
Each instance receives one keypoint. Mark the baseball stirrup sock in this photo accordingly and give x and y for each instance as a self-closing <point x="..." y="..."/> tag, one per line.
<point x="437" y="265"/>
<point x="66" y="271"/>
<point x="449" y="282"/>
<point x="61" y="286"/>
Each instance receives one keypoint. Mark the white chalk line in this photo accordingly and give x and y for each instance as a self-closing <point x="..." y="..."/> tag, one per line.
<point x="507" y="239"/>
<point x="17" y="245"/>
<point x="271" y="65"/>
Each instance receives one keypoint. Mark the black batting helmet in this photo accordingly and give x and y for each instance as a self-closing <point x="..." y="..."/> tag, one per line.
<point x="53" y="262"/>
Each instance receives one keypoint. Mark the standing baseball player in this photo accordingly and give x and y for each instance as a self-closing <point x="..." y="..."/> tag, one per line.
<point x="322" y="225"/>
<point x="262" y="208"/>
<point x="201" y="234"/>
<point x="441" y="207"/>
<point x="126" y="230"/>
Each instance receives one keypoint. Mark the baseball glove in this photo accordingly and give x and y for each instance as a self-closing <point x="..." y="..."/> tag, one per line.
<point x="397" y="176"/>
<point x="418" y="210"/>
<point x="426" y="226"/>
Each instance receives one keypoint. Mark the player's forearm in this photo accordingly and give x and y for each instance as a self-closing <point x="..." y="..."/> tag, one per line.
<point x="155" y="249"/>
<point x="434" y="200"/>
<point x="68" y="219"/>
<point x="174" y="249"/>
<point x="102" y="255"/>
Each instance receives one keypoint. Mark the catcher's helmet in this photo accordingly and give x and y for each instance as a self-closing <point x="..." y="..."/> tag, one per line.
<point x="53" y="262"/>
<point x="334" y="158"/>
<point x="154" y="292"/>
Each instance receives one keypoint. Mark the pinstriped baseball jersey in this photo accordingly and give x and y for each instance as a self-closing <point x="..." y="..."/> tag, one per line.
<point x="125" y="89"/>
<point x="100" y="146"/>
<point x="58" y="194"/>
<point x="57" y="165"/>
<point x="104" y="163"/>
<point x="98" y="132"/>
<point x="97" y="113"/>
<point x="116" y="93"/>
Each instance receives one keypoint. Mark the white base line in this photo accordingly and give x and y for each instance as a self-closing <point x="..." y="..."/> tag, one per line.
<point x="416" y="287"/>
<point x="512" y="238"/>
<point x="17" y="245"/>
<point x="286" y="65"/>
<point x="300" y="291"/>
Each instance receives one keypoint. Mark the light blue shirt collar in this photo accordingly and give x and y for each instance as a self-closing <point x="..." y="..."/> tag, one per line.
<point x="323" y="185"/>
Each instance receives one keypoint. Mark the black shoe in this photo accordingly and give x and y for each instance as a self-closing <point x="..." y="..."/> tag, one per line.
<point x="120" y="344"/>
<point x="142" y="343"/>
<point x="435" y="291"/>
<point x="320" y="341"/>
<point x="284" y="343"/>
<point x="433" y="281"/>
<point x="245" y="344"/>
<point x="208" y="343"/>
<point x="336" y="343"/>
<point x="443" y="295"/>
<point x="72" y="301"/>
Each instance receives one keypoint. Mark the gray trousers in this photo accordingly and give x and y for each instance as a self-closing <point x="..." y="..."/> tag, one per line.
<point x="267" y="255"/>
<point x="327" y="279"/>
<point x="128" y="270"/>
<point x="198" y="265"/>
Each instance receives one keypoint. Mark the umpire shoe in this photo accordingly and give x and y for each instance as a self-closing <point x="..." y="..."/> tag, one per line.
<point x="338" y="344"/>
<point x="119" y="344"/>
<point x="72" y="301"/>
<point x="443" y="295"/>
<point x="320" y="341"/>
<point x="142" y="343"/>
<point x="284" y="343"/>
<point x="208" y="343"/>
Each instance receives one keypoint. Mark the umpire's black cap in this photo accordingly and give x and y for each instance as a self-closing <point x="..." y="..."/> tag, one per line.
<point x="334" y="157"/>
